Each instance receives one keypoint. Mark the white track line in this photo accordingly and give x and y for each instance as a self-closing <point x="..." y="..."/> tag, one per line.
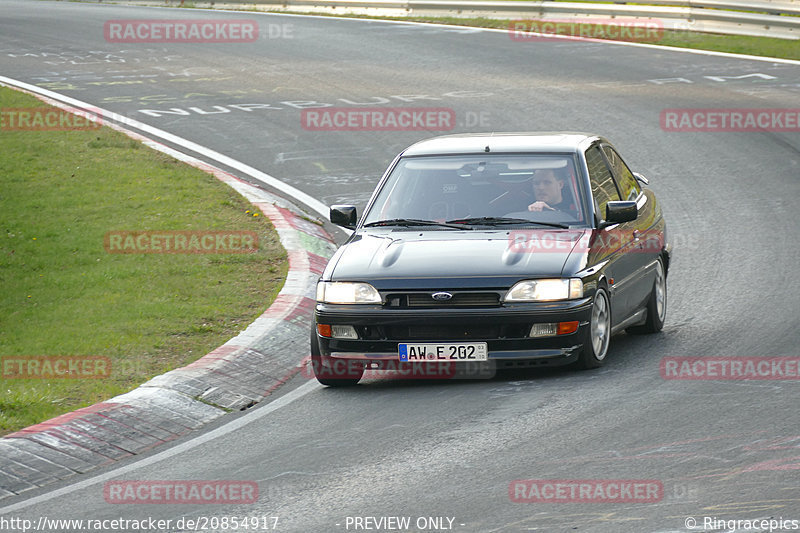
<point x="310" y="201"/>
<point x="288" y="190"/>
<point x="236" y="423"/>
<point x="231" y="426"/>
<point x="660" y="47"/>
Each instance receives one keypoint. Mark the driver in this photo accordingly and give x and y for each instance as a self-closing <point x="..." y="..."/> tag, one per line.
<point x="547" y="189"/>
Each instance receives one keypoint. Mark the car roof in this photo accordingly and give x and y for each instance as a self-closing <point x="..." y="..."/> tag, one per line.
<point x="468" y="143"/>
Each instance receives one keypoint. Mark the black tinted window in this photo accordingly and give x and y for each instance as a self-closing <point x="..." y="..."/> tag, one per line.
<point x="603" y="188"/>
<point x="628" y="187"/>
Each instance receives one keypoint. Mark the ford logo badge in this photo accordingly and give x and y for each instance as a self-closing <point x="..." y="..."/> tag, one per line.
<point x="441" y="296"/>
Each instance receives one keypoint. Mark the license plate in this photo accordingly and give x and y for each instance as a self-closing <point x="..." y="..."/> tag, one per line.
<point x="463" y="351"/>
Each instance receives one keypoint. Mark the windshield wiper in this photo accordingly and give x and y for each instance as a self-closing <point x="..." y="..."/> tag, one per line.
<point x="494" y="221"/>
<point x="412" y="222"/>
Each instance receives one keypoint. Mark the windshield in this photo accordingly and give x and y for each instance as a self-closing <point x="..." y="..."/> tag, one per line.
<point x="481" y="190"/>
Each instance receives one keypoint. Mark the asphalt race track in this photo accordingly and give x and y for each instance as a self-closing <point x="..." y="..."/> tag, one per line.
<point x="434" y="451"/>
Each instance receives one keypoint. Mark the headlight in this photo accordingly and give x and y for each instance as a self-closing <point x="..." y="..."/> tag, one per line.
<point x="545" y="290"/>
<point x="344" y="292"/>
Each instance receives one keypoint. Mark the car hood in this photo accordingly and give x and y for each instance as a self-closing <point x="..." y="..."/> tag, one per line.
<point x="437" y="259"/>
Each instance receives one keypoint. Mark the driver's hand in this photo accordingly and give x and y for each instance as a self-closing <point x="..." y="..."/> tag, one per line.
<point x="539" y="206"/>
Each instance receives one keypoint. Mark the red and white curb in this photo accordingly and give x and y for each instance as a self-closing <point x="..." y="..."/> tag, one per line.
<point x="238" y="374"/>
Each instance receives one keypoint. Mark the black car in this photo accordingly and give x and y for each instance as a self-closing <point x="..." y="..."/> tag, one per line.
<point x="513" y="250"/>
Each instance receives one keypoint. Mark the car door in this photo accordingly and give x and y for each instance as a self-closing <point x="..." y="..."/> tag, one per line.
<point x="645" y="249"/>
<point x="612" y="243"/>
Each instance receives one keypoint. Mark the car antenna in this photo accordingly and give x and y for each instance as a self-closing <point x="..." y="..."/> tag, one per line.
<point x="486" y="149"/>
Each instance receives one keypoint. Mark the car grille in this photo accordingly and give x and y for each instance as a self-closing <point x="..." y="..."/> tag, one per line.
<point x="459" y="299"/>
<point x="454" y="332"/>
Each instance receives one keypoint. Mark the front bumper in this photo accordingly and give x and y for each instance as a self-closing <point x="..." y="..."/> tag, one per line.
<point x="505" y="329"/>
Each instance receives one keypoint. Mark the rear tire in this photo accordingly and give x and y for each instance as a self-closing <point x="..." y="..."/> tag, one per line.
<point x="348" y="377"/>
<point x="656" y="304"/>
<point x="596" y="348"/>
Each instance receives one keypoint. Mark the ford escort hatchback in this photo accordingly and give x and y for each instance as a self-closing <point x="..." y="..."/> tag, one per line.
<point x="510" y="250"/>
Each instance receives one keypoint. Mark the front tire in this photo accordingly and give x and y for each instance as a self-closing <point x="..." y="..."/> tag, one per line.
<point x="656" y="304"/>
<point x="595" y="350"/>
<point x="346" y="377"/>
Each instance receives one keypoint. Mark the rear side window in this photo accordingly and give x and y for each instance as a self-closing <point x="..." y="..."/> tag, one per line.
<point x="628" y="188"/>
<point x="603" y="188"/>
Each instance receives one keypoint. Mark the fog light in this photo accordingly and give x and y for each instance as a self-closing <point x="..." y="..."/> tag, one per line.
<point x="324" y="330"/>
<point x="553" y="329"/>
<point x="565" y="328"/>
<point x="344" y="332"/>
<point x="543" y="330"/>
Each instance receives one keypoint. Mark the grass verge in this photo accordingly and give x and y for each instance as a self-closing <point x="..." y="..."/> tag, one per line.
<point x="64" y="294"/>
<point x="735" y="44"/>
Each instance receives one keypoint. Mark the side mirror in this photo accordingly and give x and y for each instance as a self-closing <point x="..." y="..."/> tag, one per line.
<point x="618" y="212"/>
<point x="641" y="179"/>
<point x="344" y="215"/>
